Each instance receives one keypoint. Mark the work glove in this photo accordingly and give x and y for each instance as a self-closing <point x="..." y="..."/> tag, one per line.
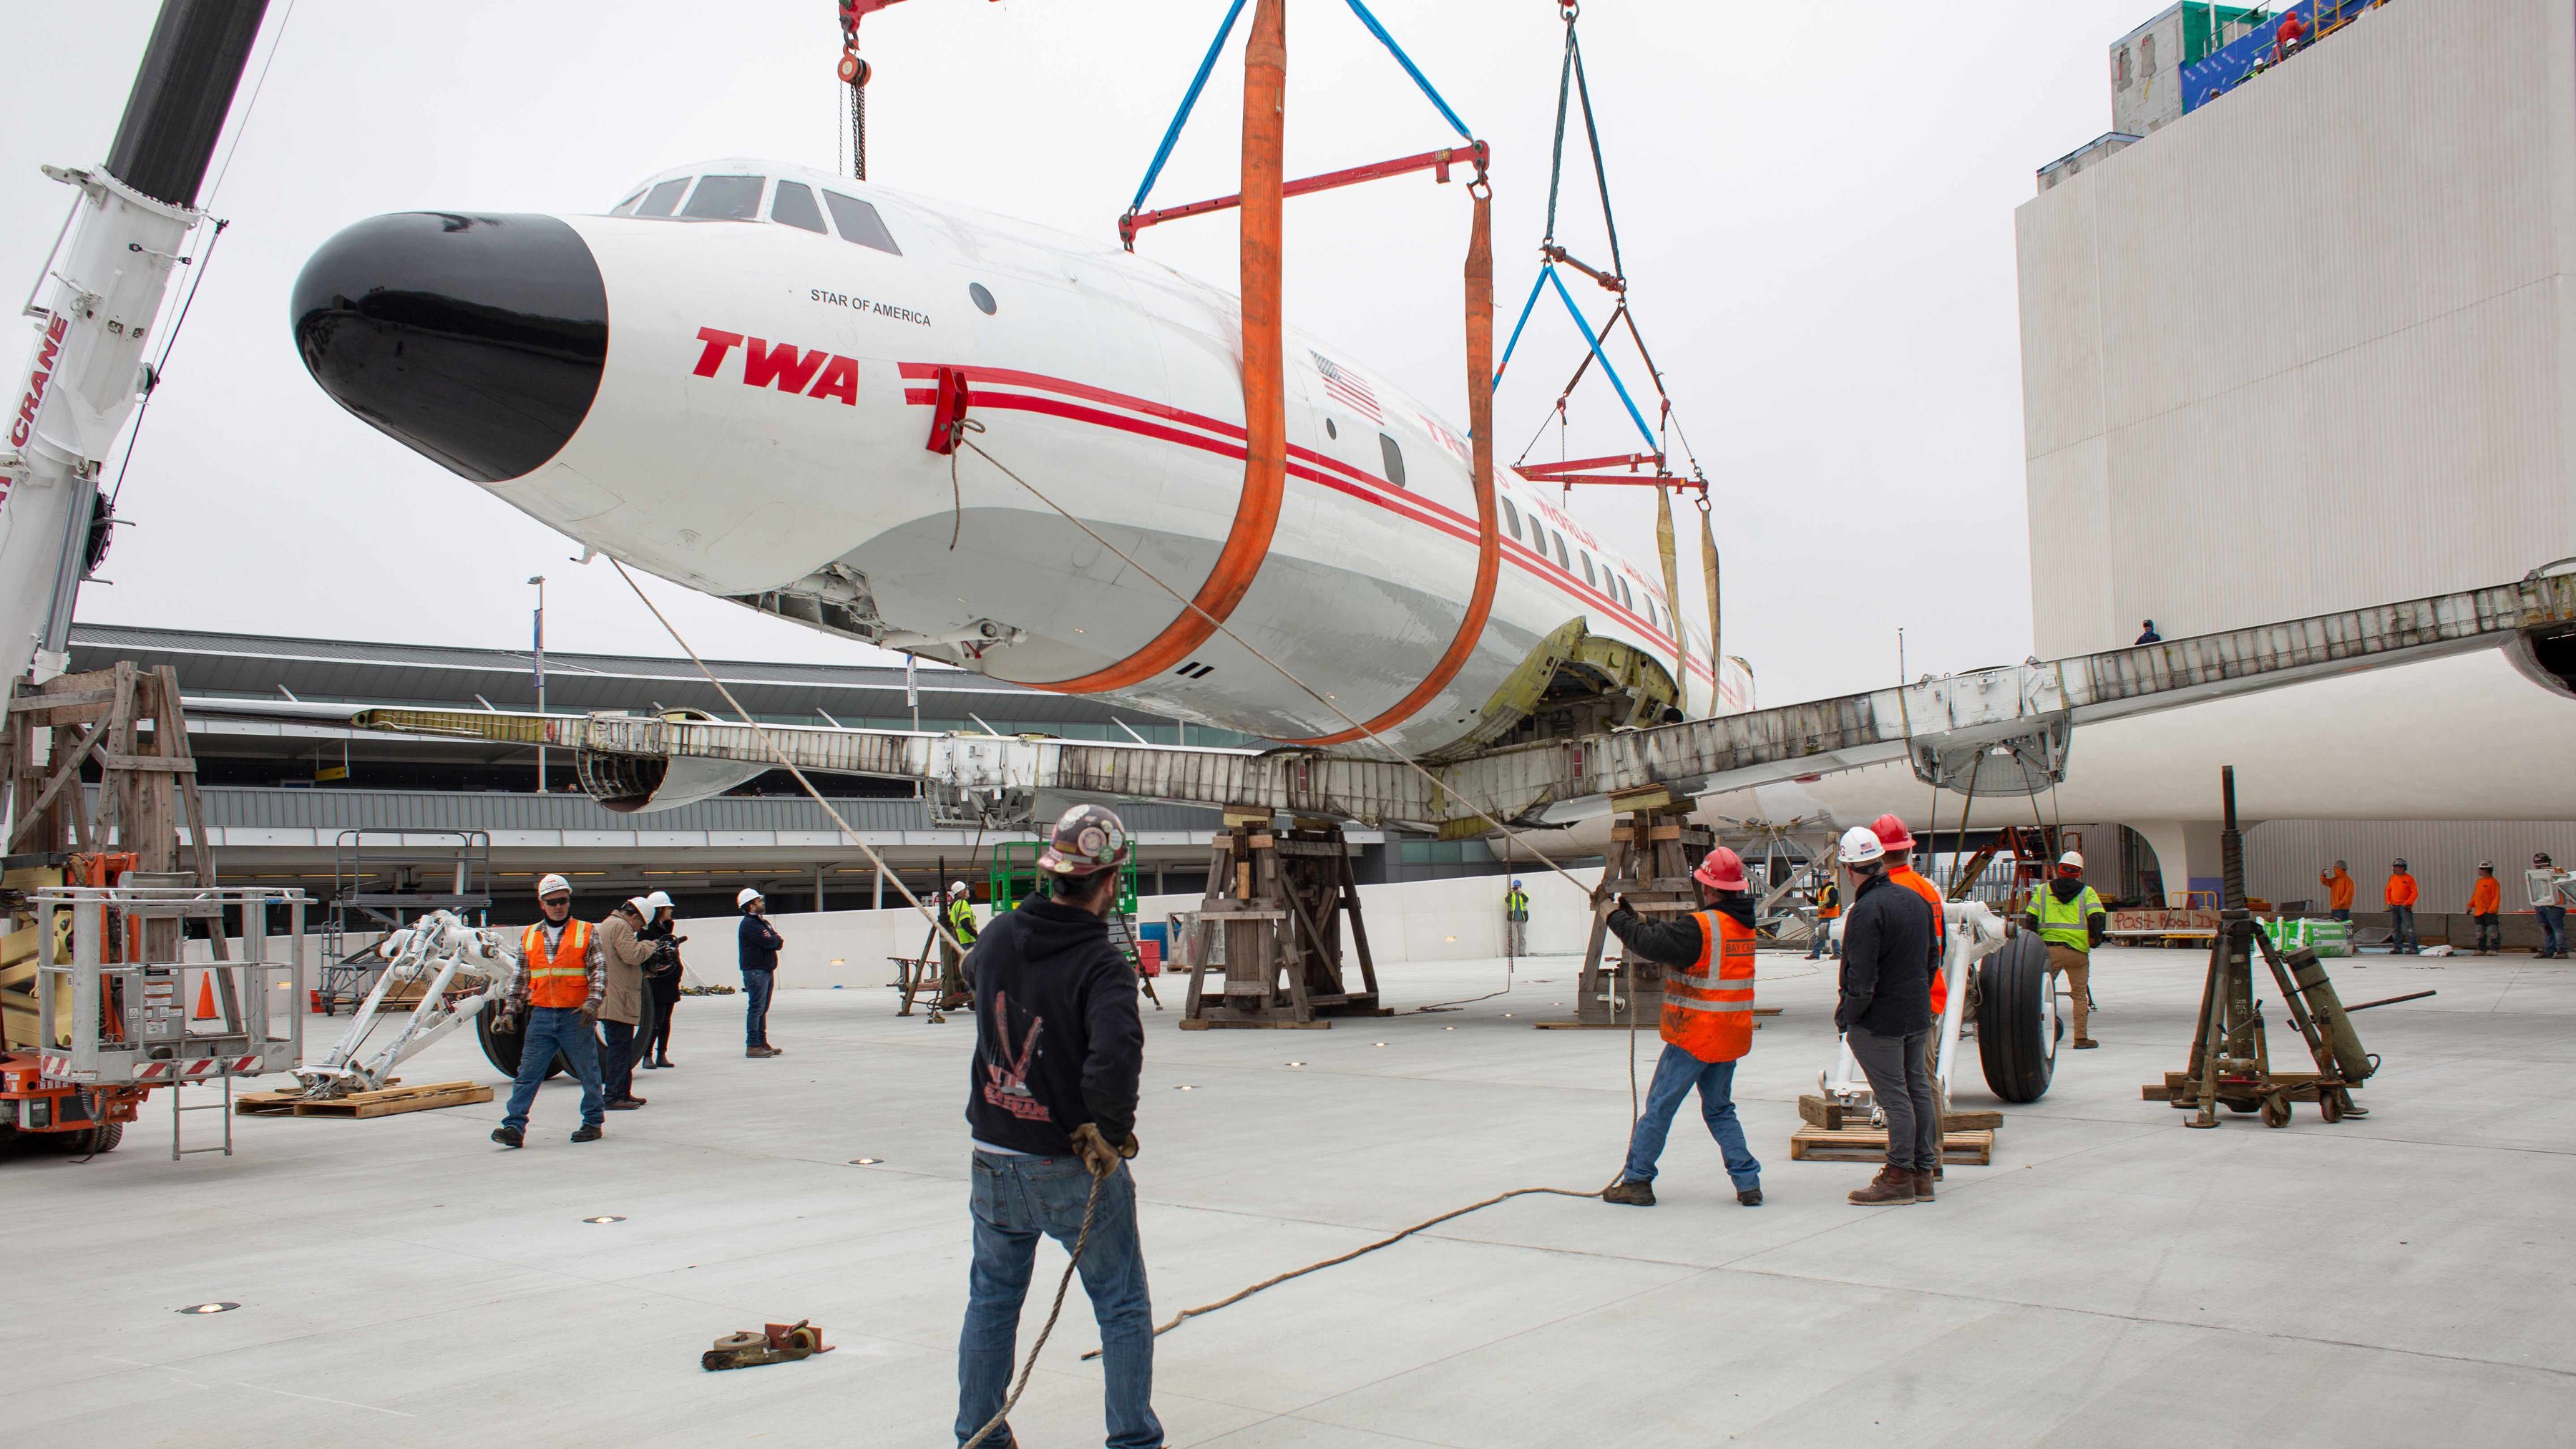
<point x="1097" y="1154"/>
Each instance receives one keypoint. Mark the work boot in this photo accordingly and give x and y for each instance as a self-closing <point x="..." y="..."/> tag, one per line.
<point x="763" y="1052"/>
<point x="2085" y="1043"/>
<point x="645" y="1065"/>
<point x="1629" y="1193"/>
<point x="589" y="1133"/>
<point x="1748" y="1196"/>
<point x="663" y="1062"/>
<point x="1893" y="1187"/>
<point x="626" y="1104"/>
<point x="509" y="1137"/>
<point x="1923" y="1186"/>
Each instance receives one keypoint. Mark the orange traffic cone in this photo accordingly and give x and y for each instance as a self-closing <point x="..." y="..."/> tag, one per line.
<point x="206" y="997"/>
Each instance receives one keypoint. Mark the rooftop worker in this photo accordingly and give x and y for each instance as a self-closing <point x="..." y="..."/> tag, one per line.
<point x="1707" y="1025"/>
<point x="2147" y="634"/>
<point x="758" y="943"/>
<point x="960" y="915"/>
<point x="2486" y="907"/>
<point x="2070" y="918"/>
<point x="1829" y="907"/>
<point x="623" y="953"/>
<point x="2551" y="891"/>
<point x="662" y="976"/>
<point x="1899" y="843"/>
<point x="1051" y="1104"/>
<point x="2338" y="884"/>
<point x="555" y="992"/>
<point x="1515" y="921"/>
<point x="2292" y="36"/>
<point x="2401" y="893"/>
<point x="1884" y="1011"/>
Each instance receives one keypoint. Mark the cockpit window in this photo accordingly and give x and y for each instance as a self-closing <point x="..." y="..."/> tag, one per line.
<point x="859" y="223"/>
<point x="726" y="198"/>
<point x="663" y="197"/>
<point x="626" y="207"/>
<point x="795" y="206"/>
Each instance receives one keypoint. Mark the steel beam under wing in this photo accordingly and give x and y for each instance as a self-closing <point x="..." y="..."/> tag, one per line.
<point x="1943" y="724"/>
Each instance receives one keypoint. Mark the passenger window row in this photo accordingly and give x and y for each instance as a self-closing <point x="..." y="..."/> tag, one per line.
<point x="1606" y="579"/>
<point x="737" y="198"/>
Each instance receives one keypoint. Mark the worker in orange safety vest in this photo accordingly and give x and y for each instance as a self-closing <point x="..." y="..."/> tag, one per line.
<point x="2401" y="893"/>
<point x="2486" y="907"/>
<point x="1707" y="1024"/>
<point x="555" y="994"/>
<point x="2339" y="890"/>
<point x="1898" y="841"/>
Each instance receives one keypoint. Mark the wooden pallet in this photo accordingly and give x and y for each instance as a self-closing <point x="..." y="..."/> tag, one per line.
<point x="1829" y="1114"/>
<point x="385" y="1103"/>
<point x="1862" y="1144"/>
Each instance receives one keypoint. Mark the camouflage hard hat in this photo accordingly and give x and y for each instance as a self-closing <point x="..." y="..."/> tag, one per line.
<point x="1088" y="839"/>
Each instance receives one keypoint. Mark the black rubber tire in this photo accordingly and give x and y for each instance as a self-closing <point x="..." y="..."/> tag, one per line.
<point x="501" y="1048"/>
<point x="2330" y="1104"/>
<point x="2276" y="1111"/>
<point x="2012" y="1042"/>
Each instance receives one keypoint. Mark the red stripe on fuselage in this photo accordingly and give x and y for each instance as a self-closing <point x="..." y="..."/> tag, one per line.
<point x="1371" y="489"/>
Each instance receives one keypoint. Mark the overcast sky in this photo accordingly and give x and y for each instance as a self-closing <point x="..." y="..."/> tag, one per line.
<point x="1815" y="206"/>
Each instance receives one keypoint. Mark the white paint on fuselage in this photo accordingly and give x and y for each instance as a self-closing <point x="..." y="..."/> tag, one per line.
<point x="1111" y="383"/>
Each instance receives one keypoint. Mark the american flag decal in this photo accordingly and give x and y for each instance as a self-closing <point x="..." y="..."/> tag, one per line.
<point x="1347" y="388"/>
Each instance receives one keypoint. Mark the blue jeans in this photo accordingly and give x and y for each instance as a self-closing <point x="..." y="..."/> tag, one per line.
<point x="1014" y="1200"/>
<point x="757" y="983"/>
<point x="2553" y="928"/>
<point x="553" y="1029"/>
<point x="617" y="1059"/>
<point x="2401" y="928"/>
<point x="1676" y="1073"/>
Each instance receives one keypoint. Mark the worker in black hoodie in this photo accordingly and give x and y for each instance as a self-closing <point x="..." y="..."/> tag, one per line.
<point x="1885" y="1015"/>
<point x="1052" y="1105"/>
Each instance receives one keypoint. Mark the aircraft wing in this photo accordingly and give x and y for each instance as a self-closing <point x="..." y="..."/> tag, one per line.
<point x="2008" y="728"/>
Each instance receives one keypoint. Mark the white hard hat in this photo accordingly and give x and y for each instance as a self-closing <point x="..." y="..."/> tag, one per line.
<point x="746" y="898"/>
<point x="1861" y="845"/>
<point x="549" y="884"/>
<point x="957" y="887"/>
<point x="659" y="899"/>
<point x="640" y="906"/>
<point x="2071" y="858"/>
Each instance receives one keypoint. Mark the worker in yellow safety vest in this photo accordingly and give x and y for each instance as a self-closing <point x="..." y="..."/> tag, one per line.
<point x="2071" y="919"/>
<point x="1707" y="1024"/>
<point x="1515" y="921"/>
<point x="555" y="994"/>
<point x="960" y="915"/>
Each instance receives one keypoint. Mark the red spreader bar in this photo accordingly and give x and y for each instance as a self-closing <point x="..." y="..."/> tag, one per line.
<point x="1572" y="471"/>
<point x="1439" y="161"/>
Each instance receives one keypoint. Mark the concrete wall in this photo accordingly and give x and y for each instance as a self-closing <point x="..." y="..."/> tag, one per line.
<point x="1441" y="920"/>
<point x="2304" y="349"/>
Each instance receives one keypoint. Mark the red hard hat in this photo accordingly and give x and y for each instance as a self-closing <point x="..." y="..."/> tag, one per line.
<point x="1722" y="870"/>
<point x="1891" y="832"/>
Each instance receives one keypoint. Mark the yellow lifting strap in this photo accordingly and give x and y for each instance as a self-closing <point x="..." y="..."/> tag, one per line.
<point x="1716" y="653"/>
<point x="1673" y="598"/>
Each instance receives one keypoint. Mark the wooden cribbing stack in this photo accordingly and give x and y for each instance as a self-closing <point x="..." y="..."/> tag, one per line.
<point x="1276" y="899"/>
<point x="1651" y="859"/>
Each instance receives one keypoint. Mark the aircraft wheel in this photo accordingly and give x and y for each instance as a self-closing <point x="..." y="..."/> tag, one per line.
<point x="2017" y="1026"/>
<point x="501" y="1048"/>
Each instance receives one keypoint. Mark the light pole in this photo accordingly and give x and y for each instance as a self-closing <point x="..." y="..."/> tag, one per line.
<point x="539" y="653"/>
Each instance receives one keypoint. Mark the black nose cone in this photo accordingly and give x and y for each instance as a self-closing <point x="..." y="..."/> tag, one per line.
<point x="477" y="340"/>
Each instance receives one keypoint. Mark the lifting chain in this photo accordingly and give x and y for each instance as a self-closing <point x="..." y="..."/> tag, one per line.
<point x="854" y="74"/>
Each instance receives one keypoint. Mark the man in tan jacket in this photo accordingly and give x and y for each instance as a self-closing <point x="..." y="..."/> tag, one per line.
<point x="622" y="1004"/>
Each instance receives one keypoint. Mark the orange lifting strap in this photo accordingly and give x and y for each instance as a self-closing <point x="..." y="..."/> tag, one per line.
<point x="1265" y="407"/>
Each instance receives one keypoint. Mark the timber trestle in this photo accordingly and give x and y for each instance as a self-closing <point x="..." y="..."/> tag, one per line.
<point x="1265" y="947"/>
<point x="1650" y="863"/>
